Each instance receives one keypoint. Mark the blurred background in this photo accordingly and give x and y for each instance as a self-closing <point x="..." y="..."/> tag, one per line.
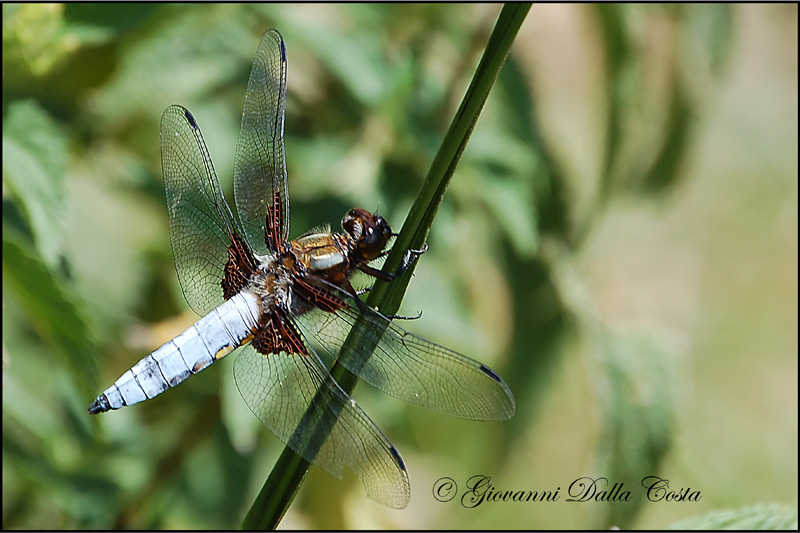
<point x="619" y="242"/>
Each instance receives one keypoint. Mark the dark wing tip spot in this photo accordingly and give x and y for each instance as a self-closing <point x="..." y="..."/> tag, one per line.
<point x="190" y="119"/>
<point x="283" y="51"/>
<point x="397" y="458"/>
<point x="489" y="372"/>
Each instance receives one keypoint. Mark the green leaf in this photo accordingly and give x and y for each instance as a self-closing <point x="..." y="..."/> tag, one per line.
<point x="355" y="60"/>
<point x="94" y="23"/>
<point x="638" y="389"/>
<point x="34" y="163"/>
<point x="51" y="310"/>
<point x="162" y="66"/>
<point x="665" y="170"/>
<point x="619" y="79"/>
<point x="511" y="204"/>
<point x="33" y="40"/>
<point x="756" y="517"/>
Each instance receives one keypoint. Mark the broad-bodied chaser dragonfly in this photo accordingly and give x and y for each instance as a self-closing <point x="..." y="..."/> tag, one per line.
<point x="258" y="290"/>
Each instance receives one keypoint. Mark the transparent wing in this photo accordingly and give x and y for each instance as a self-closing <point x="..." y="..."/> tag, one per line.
<point x="259" y="168"/>
<point x="409" y="367"/>
<point x="200" y="220"/>
<point x="278" y="388"/>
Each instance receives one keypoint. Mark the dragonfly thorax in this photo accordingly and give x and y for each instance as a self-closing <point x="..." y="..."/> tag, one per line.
<point x="320" y="259"/>
<point x="272" y="282"/>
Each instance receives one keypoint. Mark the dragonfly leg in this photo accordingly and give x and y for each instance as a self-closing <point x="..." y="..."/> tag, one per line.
<point x="411" y="256"/>
<point x="365" y="290"/>
<point x="359" y="303"/>
<point x="403" y="317"/>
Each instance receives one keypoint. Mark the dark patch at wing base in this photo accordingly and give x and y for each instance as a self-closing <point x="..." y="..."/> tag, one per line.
<point x="279" y="334"/>
<point x="239" y="268"/>
<point x="318" y="297"/>
<point x="273" y="232"/>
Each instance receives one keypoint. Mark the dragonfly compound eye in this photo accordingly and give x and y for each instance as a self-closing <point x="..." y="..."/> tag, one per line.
<point x="376" y="234"/>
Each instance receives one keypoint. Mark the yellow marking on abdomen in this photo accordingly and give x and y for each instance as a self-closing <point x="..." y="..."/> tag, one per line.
<point x="200" y="365"/>
<point x="222" y="352"/>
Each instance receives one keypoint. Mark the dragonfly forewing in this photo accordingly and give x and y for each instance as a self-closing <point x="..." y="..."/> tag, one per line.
<point x="199" y="217"/>
<point x="259" y="168"/>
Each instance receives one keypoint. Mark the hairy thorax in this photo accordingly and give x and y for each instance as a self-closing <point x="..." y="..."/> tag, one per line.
<point x="318" y="259"/>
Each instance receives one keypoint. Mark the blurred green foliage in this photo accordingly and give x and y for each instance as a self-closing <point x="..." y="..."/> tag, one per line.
<point x="89" y="285"/>
<point x="754" y="518"/>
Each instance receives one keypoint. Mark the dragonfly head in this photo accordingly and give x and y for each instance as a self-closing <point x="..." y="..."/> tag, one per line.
<point x="371" y="232"/>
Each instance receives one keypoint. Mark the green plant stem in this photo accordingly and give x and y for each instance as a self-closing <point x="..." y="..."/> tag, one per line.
<point x="280" y="488"/>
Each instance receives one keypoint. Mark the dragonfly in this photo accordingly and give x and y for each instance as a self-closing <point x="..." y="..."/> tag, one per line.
<point x="280" y="301"/>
